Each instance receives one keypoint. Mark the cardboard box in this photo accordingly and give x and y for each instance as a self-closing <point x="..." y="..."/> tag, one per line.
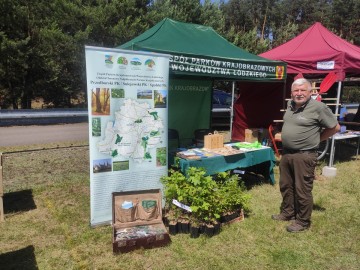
<point x="214" y="140"/>
<point x="226" y="135"/>
<point x="137" y="220"/>
<point x="251" y="135"/>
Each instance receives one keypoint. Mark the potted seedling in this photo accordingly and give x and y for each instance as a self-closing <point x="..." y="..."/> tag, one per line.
<point x="207" y="198"/>
<point x="234" y="196"/>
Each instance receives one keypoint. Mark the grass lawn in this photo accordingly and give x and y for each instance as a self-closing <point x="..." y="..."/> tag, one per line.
<point x="47" y="213"/>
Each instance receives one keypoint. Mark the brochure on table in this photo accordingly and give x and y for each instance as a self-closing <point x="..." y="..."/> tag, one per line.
<point x="228" y="149"/>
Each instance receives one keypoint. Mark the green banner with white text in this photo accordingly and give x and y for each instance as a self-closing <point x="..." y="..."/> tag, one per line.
<point x="227" y="68"/>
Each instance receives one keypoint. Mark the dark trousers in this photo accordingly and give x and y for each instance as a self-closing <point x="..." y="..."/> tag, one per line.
<point x="297" y="173"/>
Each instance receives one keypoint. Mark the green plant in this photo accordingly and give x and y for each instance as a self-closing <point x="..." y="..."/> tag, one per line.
<point x="204" y="194"/>
<point x="233" y="193"/>
<point x="207" y="197"/>
<point x="195" y="190"/>
<point x="174" y="186"/>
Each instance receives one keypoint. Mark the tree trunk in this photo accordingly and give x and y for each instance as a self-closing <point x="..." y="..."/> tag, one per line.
<point x="13" y="97"/>
<point x="98" y="102"/>
<point x="25" y="101"/>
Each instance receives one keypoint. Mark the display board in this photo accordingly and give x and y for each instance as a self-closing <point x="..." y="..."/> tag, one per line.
<point x="128" y="121"/>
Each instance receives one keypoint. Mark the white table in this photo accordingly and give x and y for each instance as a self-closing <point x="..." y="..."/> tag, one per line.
<point x="345" y="136"/>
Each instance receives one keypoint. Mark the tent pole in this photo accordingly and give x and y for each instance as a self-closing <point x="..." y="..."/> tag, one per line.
<point x="332" y="152"/>
<point x="232" y="108"/>
<point x="284" y="103"/>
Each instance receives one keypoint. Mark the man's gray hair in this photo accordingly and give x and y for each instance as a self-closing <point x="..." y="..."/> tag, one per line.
<point x="301" y="81"/>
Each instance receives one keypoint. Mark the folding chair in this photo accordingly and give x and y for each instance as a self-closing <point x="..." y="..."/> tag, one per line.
<point x="275" y="137"/>
<point x="173" y="135"/>
<point x="199" y="135"/>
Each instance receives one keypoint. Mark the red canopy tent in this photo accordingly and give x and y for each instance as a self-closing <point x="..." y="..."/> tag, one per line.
<point x="317" y="52"/>
<point x="257" y="106"/>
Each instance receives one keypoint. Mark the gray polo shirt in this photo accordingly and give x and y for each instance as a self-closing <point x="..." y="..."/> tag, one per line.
<point x="302" y="127"/>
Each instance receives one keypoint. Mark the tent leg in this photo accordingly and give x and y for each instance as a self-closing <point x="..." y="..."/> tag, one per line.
<point x="284" y="96"/>
<point x="332" y="152"/>
<point x="232" y="108"/>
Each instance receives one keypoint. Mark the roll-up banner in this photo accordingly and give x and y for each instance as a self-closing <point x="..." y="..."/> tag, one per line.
<point x="128" y="122"/>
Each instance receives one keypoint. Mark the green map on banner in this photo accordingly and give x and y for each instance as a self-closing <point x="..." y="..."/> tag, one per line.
<point x="136" y="129"/>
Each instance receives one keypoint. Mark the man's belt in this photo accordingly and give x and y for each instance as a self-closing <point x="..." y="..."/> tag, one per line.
<point x="291" y="151"/>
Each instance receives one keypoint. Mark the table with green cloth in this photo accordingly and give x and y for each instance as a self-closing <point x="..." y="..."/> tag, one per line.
<point x="263" y="156"/>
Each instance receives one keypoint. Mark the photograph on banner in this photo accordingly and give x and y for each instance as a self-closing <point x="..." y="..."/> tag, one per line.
<point x="128" y="123"/>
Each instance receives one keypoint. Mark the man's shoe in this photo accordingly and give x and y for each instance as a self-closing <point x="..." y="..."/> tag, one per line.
<point x="281" y="217"/>
<point x="296" y="227"/>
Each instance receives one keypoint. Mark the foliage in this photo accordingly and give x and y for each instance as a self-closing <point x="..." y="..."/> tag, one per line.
<point x="180" y="10"/>
<point x="42" y="43"/>
<point x="248" y="41"/>
<point x="43" y="52"/>
<point x="351" y="94"/>
<point x="284" y="33"/>
<point x="208" y="198"/>
<point x="205" y="199"/>
<point x="172" y="184"/>
<point x="211" y="15"/>
<point x="233" y="193"/>
<point x="345" y="16"/>
<point x="161" y="156"/>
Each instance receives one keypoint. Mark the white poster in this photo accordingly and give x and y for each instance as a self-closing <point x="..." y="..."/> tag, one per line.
<point x="127" y="103"/>
<point x="325" y="65"/>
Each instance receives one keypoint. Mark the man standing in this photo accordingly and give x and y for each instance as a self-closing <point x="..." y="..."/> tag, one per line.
<point x="306" y="123"/>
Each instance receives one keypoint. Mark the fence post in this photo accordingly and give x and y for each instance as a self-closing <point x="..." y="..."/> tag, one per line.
<point x="1" y="190"/>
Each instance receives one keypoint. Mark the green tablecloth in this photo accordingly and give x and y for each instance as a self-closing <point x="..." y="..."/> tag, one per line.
<point x="213" y="165"/>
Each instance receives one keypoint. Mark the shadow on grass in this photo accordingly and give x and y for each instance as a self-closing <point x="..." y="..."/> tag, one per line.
<point x="254" y="175"/>
<point x="252" y="179"/>
<point x="346" y="150"/>
<point x="318" y="208"/>
<point x="20" y="259"/>
<point x="19" y="201"/>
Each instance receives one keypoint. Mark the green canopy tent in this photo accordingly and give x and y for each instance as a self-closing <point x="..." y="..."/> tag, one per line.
<point x="198" y="55"/>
